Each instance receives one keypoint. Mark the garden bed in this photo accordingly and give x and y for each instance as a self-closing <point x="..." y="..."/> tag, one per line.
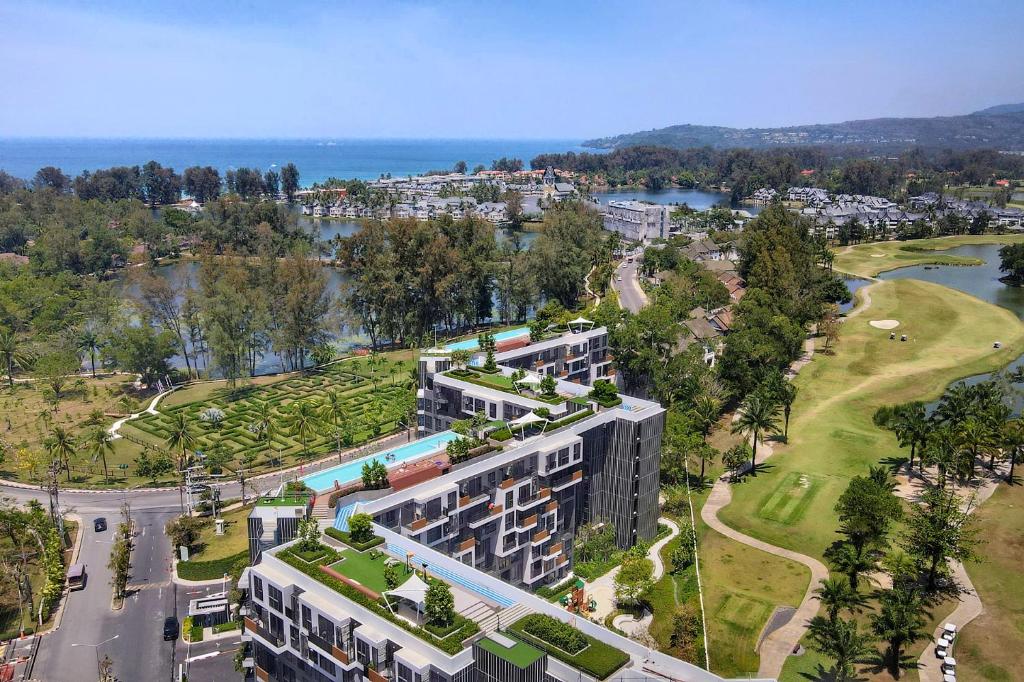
<point x="594" y="657"/>
<point x="211" y="570"/>
<point x="346" y="537"/>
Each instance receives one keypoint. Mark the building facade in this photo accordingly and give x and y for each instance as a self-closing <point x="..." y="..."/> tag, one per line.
<point x="637" y="221"/>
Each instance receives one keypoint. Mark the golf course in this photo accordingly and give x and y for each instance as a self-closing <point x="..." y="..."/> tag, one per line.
<point x="868" y="260"/>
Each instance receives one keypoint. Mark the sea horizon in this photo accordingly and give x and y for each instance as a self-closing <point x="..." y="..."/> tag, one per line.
<point x="317" y="158"/>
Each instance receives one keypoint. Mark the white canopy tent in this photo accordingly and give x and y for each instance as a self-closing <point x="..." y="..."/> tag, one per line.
<point x="530" y="379"/>
<point x="413" y="590"/>
<point x="580" y="322"/>
<point x="527" y="419"/>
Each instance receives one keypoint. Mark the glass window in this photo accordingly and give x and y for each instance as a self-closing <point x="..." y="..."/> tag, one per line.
<point x="275" y="598"/>
<point x="307" y="618"/>
<point x="325" y="628"/>
<point x="257" y="587"/>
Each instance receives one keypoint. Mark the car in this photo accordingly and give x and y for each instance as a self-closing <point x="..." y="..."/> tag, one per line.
<point x="170" y="628"/>
<point x="99" y="524"/>
<point x="619" y="278"/>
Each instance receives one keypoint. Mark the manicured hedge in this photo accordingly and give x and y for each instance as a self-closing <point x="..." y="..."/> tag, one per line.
<point x="226" y="627"/>
<point x="598" y="659"/>
<point x="344" y="536"/>
<point x="551" y="630"/>
<point x="209" y="570"/>
<point x="451" y="644"/>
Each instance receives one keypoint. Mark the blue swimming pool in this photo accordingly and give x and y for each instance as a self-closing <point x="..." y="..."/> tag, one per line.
<point x="350" y="471"/>
<point x="472" y="344"/>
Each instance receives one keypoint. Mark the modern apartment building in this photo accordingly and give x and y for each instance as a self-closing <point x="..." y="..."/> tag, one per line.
<point x="494" y="527"/>
<point x="637" y="221"/>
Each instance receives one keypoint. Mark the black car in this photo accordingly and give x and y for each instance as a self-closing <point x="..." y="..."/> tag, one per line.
<point x="170" y="628"/>
<point x="99" y="525"/>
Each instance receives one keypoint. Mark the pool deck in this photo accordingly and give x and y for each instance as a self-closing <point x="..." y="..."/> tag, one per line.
<point x="324" y="481"/>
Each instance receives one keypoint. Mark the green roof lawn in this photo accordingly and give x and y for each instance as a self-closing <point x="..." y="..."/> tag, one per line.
<point x="521" y="655"/>
<point x="283" y="501"/>
<point x="368" y="572"/>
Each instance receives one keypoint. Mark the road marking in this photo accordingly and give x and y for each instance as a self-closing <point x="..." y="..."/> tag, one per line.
<point x="200" y="657"/>
<point x="138" y="587"/>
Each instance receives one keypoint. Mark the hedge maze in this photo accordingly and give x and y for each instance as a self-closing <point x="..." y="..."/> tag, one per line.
<point x="368" y="409"/>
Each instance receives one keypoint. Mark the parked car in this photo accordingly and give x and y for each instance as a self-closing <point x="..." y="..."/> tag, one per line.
<point x="99" y="524"/>
<point x="170" y="628"/>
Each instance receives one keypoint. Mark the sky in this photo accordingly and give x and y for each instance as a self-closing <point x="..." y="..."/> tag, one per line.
<point x="489" y="69"/>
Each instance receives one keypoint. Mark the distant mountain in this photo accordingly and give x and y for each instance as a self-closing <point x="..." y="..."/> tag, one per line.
<point x="1001" y="109"/>
<point x="1000" y="127"/>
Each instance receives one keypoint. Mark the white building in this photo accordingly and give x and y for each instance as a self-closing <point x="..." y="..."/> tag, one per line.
<point x="637" y="221"/>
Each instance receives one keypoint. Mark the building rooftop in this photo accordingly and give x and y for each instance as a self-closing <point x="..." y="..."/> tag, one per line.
<point x="519" y="654"/>
<point x="283" y="501"/>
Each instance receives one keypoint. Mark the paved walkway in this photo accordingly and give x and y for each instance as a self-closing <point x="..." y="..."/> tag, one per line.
<point x="778" y="645"/>
<point x="970" y="606"/>
<point x="602" y="590"/>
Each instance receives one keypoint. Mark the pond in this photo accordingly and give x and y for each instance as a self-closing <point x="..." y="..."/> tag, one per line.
<point x="853" y="284"/>
<point x="980" y="281"/>
<point x="697" y="199"/>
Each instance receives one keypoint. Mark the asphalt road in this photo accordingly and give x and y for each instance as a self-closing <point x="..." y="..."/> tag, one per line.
<point x="631" y="296"/>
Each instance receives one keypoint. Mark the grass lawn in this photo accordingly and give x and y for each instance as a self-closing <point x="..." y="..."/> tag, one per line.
<point x="371" y="391"/>
<point x="862" y="259"/>
<point x="832" y="437"/>
<point x="235" y="539"/>
<point x="11" y="618"/>
<point x="366" y="571"/>
<point x="989" y="648"/>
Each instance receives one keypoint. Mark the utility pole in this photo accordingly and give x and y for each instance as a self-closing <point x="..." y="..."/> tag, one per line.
<point x="54" y="493"/>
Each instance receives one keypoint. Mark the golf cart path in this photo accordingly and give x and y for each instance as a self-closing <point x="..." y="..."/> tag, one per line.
<point x="970" y="606"/>
<point x="779" y="644"/>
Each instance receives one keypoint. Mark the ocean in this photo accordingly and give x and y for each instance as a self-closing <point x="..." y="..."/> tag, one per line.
<point x="316" y="160"/>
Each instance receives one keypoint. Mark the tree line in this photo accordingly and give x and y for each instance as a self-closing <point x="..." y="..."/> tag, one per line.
<point x="155" y="185"/>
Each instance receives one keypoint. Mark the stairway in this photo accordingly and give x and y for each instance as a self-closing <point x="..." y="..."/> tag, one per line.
<point x="505" y="617"/>
<point x="321" y="508"/>
<point x="342" y="517"/>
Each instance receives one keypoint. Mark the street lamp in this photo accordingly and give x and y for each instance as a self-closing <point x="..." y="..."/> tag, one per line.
<point x="96" y="648"/>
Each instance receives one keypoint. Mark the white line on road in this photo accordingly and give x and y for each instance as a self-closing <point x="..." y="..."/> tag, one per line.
<point x="201" y="657"/>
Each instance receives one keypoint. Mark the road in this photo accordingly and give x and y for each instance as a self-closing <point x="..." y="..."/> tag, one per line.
<point x="631" y="296"/>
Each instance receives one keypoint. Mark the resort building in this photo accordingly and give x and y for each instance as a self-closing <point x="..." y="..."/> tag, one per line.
<point x="637" y="221"/>
<point x="274" y="521"/>
<point x="494" y="524"/>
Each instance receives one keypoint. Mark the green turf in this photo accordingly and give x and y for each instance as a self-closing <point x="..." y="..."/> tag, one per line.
<point x="869" y="259"/>
<point x="743" y="611"/>
<point x="521" y="655"/>
<point x="368" y="572"/>
<point x="790" y="499"/>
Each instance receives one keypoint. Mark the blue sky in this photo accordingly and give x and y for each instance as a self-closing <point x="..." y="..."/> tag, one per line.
<point x="488" y="69"/>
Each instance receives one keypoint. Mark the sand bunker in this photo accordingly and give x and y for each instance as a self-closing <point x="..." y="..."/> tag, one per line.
<point x="884" y="324"/>
<point x="878" y="255"/>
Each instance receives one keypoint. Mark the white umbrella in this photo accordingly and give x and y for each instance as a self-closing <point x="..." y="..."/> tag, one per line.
<point x="530" y="379"/>
<point x="528" y="418"/>
<point x="413" y="589"/>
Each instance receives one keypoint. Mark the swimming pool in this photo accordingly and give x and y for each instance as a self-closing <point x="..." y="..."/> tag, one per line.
<point x="350" y="471"/>
<point x="472" y="344"/>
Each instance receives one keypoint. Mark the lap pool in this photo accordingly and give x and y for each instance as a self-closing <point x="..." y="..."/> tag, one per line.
<point x="472" y="344"/>
<point x="351" y="471"/>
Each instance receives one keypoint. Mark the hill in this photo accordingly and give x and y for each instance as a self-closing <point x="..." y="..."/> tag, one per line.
<point x="1000" y="127"/>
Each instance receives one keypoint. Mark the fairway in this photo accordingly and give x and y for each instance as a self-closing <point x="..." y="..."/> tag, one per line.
<point x="742" y="611"/>
<point x="869" y="259"/>
<point x="791" y="498"/>
<point x="832" y="437"/>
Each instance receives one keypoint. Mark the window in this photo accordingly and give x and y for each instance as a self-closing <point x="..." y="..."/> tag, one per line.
<point x="325" y="628"/>
<point x="509" y="499"/>
<point x="493" y="411"/>
<point x="307" y="618"/>
<point x="275" y="598"/>
<point x="257" y="587"/>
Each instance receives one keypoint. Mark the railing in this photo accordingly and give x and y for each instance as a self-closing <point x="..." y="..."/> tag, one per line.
<point x="551" y="506"/>
<point x="262" y="675"/>
<point x="541" y="536"/>
<point x="254" y="626"/>
<point x="467" y="544"/>
<point x="320" y="641"/>
<point x="417" y="524"/>
<point x="340" y="655"/>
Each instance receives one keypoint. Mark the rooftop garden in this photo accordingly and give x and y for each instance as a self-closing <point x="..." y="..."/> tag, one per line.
<point x="546" y="391"/>
<point x="605" y="394"/>
<point x="569" y="645"/>
<point x="362" y="577"/>
<point x="521" y="654"/>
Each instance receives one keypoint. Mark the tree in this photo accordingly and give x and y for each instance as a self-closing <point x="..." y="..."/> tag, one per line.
<point x="13" y="353"/>
<point x="202" y="183"/>
<point x="1011" y="261"/>
<point x="634" y="580"/>
<point x="304" y="422"/>
<point x="308" y="535"/>
<point x="736" y="457"/>
<point x="835" y="594"/>
<point x="459" y="167"/>
<point x="852" y="561"/>
<point x="939" y="530"/>
<point x="334" y="412"/>
<point x="180" y="438"/>
<point x="460" y="358"/>
<point x="100" y="442"/>
<point x="867" y="508"/>
<point x="144" y="351"/>
<point x="548" y="386"/>
<point x="1013" y="444"/>
<point x="758" y="416"/>
<point x="787" y="396"/>
<point x="360" y="527"/>
<point x="841" y="641"/>
<point x="62" y="448"/>
<point x="900" y="621"/>
<point x="50" y="177"/>
<point x="390" y="576"/>
<point x="439" y="604"/>
<point x="88" y="342"/>
<point x="374" y="475"/>
<point x="184" y="531"/>
<point x="704" y="413"/>
<point x="289" y="181"/>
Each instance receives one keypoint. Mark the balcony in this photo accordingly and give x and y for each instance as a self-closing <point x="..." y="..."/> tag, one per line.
<point x="467" y="501"/>
<point x="376" y="676"/>
<point x="553" y="550"/>
<point x="540" y="536"/>
<point x="466" y="545"/>
<point x="527" y="523"/>
<point x="417" y="525"/>
<point x="257" y="628"/>
<point x="262" y="675"/>
<point x="567" y="481"/>
<point x="551" y="506"/>
<point x="489" y="516"/>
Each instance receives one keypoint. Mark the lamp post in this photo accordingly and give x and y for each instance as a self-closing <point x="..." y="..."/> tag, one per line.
<point x="96" y="648"/>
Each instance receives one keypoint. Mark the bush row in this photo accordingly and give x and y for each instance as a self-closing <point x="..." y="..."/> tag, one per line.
<point x="210" y="570"/>
<point x="597" y="658"/>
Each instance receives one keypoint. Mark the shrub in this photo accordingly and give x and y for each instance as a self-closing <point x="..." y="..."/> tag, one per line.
<point x="210" y="570"/>
<point x="440" y="604"/>
<point x="596" y="658"/>
<point x="604" y="393"/>
<point x="225" y="627"/>
<point x="347" y="539"/>
<point x="360" y="527"/>
<point x="564" y="636"/>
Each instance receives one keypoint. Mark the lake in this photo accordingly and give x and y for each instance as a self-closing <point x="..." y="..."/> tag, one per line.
<point x="980" y="281"/>
<point x="694" y="198"/>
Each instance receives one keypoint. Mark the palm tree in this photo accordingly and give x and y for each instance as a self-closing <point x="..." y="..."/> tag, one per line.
<point x="705" y="412"/>
<point x="333" y="411"/>
<point x="13" y="354"/>
<point x="61" y="445"/>
<point x="787" y="396"/>
<point x="181" y="437"/>
<point x="304" y="422"/>
<point x="88" y="342"/>
<point x="940" y="450"/>
<point x="758" y="416"/>
<point x="851" y="561"/>
<point x="956" y="405"/>
<point x="836" y="595"/>
<point x="1013" y="444"/>
<point x="899" y="622"/>
<point x="841" y="641"/>
<point x="975" y="436"/>
<point x="100" y="442"/>
<point x="911" y="426"/>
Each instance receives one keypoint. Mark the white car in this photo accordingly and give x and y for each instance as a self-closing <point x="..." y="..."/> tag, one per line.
<point x="619" y="278"/>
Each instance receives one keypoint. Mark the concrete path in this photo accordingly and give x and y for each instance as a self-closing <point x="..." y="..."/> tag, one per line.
<point x="602" y="590"/>
<point x="778" y="645"/>
<point x="970" y="606"/>
<point x="116" y="426"/>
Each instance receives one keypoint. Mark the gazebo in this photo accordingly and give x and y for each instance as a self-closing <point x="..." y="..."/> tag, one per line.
<point x="413" y="590"/>
<point x="580" y="322"/>
<point x="526" y="420"/>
